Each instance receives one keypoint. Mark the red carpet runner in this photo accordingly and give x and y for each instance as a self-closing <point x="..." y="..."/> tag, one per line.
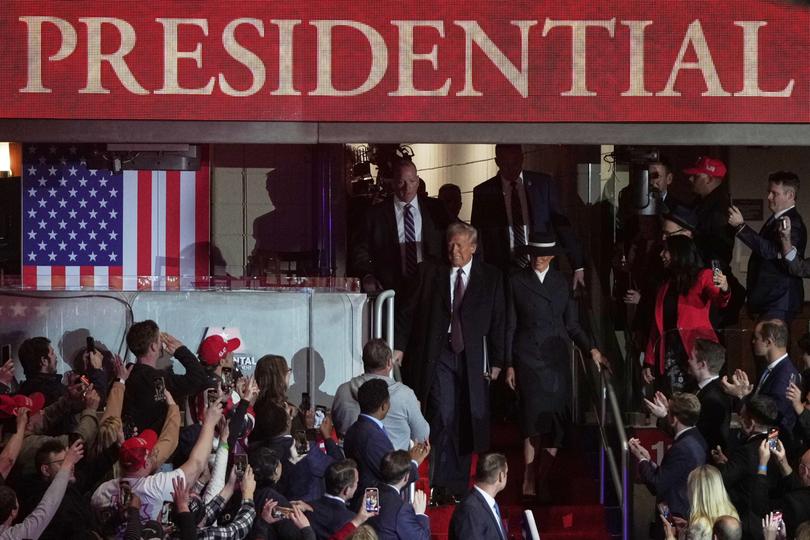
<point x="575" y="512"/>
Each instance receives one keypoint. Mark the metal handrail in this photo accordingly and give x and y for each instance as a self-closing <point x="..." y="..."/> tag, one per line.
<point x="384" y="299"/>
<point x="619" y="472"/>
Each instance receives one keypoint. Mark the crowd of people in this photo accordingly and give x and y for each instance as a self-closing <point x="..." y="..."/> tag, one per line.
<point x="135" y="450"/>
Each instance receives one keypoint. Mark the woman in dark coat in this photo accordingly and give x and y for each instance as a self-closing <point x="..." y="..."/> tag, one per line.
<point x="541" y="322"/>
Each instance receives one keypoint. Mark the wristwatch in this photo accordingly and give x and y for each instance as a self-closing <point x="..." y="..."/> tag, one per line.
<point x="122" y="381"/>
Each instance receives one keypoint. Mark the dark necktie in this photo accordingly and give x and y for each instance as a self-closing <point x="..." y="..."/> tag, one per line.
<point x="456" y="334"/>
<point x="762" y="379"/>
<point x="518" y="231"/>
<point x="410" y="242"/>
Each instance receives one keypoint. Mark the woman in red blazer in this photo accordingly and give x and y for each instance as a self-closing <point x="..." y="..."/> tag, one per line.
<point x="681" y="311"/>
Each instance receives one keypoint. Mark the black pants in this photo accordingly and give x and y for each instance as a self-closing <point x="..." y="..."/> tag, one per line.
<point x="450" y="429"/>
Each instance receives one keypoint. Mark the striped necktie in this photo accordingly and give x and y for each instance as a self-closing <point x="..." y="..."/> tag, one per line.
<point x="518" y="230"/>
<point x="410" y="241"/>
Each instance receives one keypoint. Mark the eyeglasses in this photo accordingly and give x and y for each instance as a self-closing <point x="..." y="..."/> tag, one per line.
<point x="59" y="461"/>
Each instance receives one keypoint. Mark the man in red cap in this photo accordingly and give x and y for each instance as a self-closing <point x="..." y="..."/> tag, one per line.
<point x="713" y="235"/>
<point x="135" y="458"/>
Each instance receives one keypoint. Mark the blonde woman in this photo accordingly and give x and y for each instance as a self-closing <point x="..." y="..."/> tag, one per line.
<point x="708" y="499"/>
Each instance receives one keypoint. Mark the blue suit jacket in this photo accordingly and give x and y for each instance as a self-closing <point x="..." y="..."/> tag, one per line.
<point x="775" y="387"/>
<point x="770" y="285"/>
<point x="397" y="520"/>
<point x="328" y="516"/>
<point x="473" y="518"/>
<point x="668" y="482"/>
<point x="366" y="443"/>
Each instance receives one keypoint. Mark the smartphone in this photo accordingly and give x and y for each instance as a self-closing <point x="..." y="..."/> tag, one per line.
<point x="301" y="443"/>
<point x="663" y="509"/>
<point x="72" y="438"/>
<point x="240" y="463"/>
<point x="773" y="437"/>
<point x="130" y="429"/>
<point x="160" y="389"/>
<point x="227" y="379"/>
<point x="371" y="500"/>
<point x="91" y="344"/>
<point x="6" y="353"/>
<point x="126" y="493"/>
<point x="796" y="378"/>
<point x="783" y="222"/>
<point x="280" y="512"/>
<point x="715" y="266"/>
<point x="85" y="382"/>
<point x="211" y="396"/>
<point x="320" y="415"/>
<point x="306" y="403"/>
<point x="166" y="517"/>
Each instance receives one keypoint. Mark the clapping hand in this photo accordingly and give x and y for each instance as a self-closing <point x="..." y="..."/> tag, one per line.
<point x="739" y="386"/>
<point x="640" y="453"/>
<point x="659" y="406"/>
<point x="718" y="456"/>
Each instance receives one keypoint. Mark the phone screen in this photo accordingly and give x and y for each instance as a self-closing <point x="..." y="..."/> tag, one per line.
<point x="240" y="462"/>
<point x="320" y="415"/>
<point x="160" y="388"/>
<point x="371" y="500"/>
<point x="6" y="353"/>
<point x="301" y="443"/>
<point x="773" y="437"/>
<point x="212" y="396"/>
<point x="91" y="344"/>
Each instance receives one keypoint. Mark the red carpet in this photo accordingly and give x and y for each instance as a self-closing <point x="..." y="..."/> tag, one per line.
<point x="575" y="511"/>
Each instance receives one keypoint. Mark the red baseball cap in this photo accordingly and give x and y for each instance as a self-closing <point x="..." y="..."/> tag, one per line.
<point x="707" y="165"/>
<point x="9" y="405"/>
<point x="133" y="451"/>
<point x="214" y="348"/>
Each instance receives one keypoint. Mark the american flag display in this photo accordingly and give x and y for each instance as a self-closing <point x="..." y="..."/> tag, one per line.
<point x="93" y="228"/>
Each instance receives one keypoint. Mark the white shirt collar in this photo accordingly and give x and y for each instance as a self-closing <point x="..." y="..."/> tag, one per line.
<point x="400" y="204"/>
<point x="780" y="213"/>
<point x="465" y="269"/>
<point x="507" y="184"/>
<point x="542" y="275"/>
<point x="773" y="364"/>
<point x="704" y="382"/>
<point x="681" y="432"/>
<point x="487" y="497"/>
<point x="378" y="422"/>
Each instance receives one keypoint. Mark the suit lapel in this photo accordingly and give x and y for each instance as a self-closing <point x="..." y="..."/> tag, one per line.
<point x="485" y="508"/>
<point x="532" y="282"/>
<point x="443" y="284"/>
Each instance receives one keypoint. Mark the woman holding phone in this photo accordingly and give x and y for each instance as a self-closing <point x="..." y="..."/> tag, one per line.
<point x="682" y="307"/>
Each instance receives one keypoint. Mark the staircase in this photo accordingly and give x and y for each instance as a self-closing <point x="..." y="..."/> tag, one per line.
<point x="575" y="511"/>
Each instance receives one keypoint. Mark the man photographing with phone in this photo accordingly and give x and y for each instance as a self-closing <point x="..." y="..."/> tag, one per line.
<point x="142" y="403"/>
<point x="773" y="293"/>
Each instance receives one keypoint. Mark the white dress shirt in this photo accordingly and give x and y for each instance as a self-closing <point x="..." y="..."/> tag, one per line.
<point x="465" y="278"/>
<point x="542" y="275"/>
<point x="399" y="213"/>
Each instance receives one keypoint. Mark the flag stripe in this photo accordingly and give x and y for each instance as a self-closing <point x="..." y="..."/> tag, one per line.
<point x="202" y="221"/>
<point x="87" y="277"/>
<point x="144" y="225"/>
<point x="114" y="277"/>
<point x="173" y="226"/>
<point x="188" y="231"/>
<point x="72" y="278"/>
<point x="130" y="229"/>
<point x="158" y="230"/>
<point x="44" y="278"/>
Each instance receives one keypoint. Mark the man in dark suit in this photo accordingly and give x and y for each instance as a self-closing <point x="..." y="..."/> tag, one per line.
<point x="757" y="417"/>
<point x="668" y="481"/>
<point x="478" y="516"/>
<point x="399" y="232"/>
<point x="704" y="364"/>
<point x="514" y="203"/>
<point x="367" y="443"/>
<point x="330" y="513"/>
<point x="451" y="326"/>
<point x="398" y="520"/>
<point x="772" y="292"/>
<point x="769" y="342"/>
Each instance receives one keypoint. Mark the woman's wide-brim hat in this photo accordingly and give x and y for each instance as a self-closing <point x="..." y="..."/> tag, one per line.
<point x="540" y="245"/>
